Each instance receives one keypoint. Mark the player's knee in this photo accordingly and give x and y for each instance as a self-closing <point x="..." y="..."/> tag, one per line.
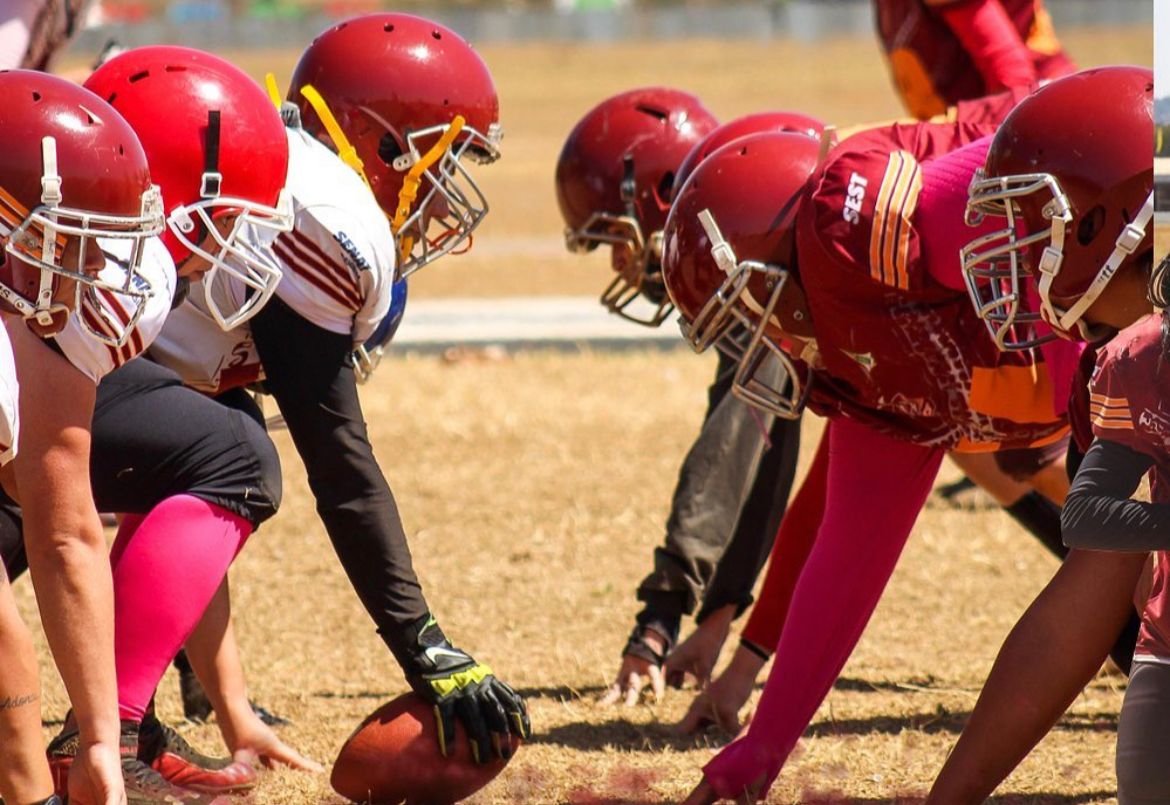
<point x="264" y="488"/>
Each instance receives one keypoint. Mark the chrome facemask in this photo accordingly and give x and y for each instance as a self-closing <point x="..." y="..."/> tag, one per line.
<point x="733" y="306"/>
<point x="996" y="266"/>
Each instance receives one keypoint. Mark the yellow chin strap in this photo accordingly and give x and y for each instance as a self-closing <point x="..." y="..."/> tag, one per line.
<point x="345" y="149"/>
<point x="413" y="179"/>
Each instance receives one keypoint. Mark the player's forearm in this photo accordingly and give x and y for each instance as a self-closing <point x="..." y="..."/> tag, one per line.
<point x="71" y="576"/>
<point x="215" y="657"/>
<point x="24" y="776"/>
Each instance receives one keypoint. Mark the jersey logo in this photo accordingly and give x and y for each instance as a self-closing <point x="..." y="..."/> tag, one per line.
<point x="353" y="256"/>
<point x="854" y="196"/>
<point x="863" y="359"/>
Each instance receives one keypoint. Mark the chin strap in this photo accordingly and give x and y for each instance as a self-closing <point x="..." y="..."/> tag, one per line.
<point x="413" y="179"/>
<point x="1127" y="243"/>
<point x="51" y="198"/>
<point x="345" y="148"/>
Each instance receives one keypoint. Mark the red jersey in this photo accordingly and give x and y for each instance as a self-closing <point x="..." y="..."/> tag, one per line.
<point x="931" y="68"/>
<point x="1130" y="404"/>
<point x="898" y="350"/>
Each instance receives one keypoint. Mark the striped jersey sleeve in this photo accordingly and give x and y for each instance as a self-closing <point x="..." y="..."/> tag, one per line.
<point x="338" y="260"/>
<point x="1122" y="392"/>
<point x="156" y="278"/>
<point x="864" y="204"/>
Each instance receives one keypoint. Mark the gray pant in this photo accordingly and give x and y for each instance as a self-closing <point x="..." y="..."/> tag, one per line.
<point x="728" y="503"/>
<point x="1143" y="737"/>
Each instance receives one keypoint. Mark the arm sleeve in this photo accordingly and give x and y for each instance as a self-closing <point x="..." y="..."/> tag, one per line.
<point x="1098" y="514"/>
<point x="991" y="40"/>
<point x="876" y="487"/>
<point x="759" y="519"/>
<point x="315" y="388"/>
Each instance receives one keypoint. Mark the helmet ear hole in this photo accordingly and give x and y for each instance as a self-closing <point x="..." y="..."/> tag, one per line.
<point x="1090" y="225"/>
<point x="389" y="149"/>
<point x="665" y="184"/>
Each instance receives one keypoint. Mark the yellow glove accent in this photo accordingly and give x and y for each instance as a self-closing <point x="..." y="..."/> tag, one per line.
<point x="410" y="184"/>
<point x="345" y="149"/>
<point x="273" y="91"/>
<point x="460" y="680"/>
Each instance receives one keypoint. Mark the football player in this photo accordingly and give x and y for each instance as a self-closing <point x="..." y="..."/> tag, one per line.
<point x="1069" y="179"/>
<point x="75" y="185"/>
<point x="364" y="87"/>
<point x="873" y="326"/>
<point x="941" y="52"/>
<point x="614" y="178"/>
<point x="1129" y="392"/>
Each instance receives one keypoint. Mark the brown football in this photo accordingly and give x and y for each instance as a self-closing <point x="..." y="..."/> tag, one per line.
<point x="393" y="757"/>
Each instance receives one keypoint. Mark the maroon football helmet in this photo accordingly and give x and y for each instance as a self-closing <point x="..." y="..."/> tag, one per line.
<point x="218" y="149"/>
<point x="1070" y="172"/>
<point x="729" y="259"/>
<point x="759" y="123"/>
<point x="396" y="84"/>
<point x="74" y="184"/>
<point x="614" y="178"/>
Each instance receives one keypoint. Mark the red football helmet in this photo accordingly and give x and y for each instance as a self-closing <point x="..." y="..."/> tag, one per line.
<point x="759" y="123"/>
<point x="613" y="182"/>
<point x="416" y="103"/>
<point x="218" y="150"/>
<point x="1070" y="172"/>
<point x="729" y="258"/>
<point x="74" y="190"/>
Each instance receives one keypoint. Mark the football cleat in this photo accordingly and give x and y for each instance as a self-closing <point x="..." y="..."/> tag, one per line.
<point x="169" y="754"/>
<point x="144" y="785"/>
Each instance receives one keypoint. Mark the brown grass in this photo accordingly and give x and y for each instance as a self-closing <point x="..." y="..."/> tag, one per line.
<point x="534" y="490"/>
<point x="532" y="512"/>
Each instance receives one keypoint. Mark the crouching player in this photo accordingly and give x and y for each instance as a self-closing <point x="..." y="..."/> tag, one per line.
<point x="843" y="269"/>
<point x="307" y="298"/>
<point x="73" y="173"/>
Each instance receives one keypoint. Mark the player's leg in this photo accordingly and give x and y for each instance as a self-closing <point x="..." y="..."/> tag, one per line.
<point x="195" y="478"/>
<point x="1143" y="737"/>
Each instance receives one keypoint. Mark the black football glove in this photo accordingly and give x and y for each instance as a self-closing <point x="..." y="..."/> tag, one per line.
<point x="461" y="688"/>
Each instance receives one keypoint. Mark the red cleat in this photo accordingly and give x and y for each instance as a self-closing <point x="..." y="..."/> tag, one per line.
<point x="169" y="754"/>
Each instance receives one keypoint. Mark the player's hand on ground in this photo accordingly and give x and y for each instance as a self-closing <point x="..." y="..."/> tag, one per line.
<point x="256" y="743"/>
<point x="720" y="703"/>
<point x="641" y="666"/>
<point x="465" y="690"/>
<point x="694" y="658"/>
<point x="95" y="776"/>
<point x="704" y="794"/>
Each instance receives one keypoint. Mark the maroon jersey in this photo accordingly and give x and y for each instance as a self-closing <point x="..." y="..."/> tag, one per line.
<point x="930" y="67"/>
<point x="1129" y="400"/>
<point x="898" y="350"/>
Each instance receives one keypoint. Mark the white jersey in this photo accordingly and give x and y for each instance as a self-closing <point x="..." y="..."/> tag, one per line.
<point x="9" y="399"/>
<point x="156" y="275"/>
<point x="337" y="268"/>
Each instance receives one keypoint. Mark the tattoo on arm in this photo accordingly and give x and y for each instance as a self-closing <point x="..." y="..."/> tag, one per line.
<point x="13" y="702"/>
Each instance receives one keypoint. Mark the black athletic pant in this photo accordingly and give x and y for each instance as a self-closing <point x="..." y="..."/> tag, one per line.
<point x="154" y="438"/>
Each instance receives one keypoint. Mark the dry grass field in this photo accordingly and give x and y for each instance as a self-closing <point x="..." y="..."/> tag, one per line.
<point x="535" y="487"/>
